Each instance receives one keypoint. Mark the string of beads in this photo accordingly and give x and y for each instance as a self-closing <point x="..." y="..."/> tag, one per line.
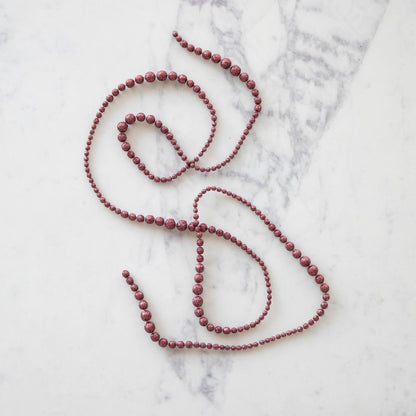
<point x="195" y="226"/>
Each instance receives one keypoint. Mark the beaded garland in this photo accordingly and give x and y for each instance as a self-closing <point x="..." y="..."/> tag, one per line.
<point x="195" y="226"/>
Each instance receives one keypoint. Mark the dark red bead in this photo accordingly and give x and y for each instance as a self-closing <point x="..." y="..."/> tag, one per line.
<point x="244" y="77"/>
<point x="215" y="58"/>
<point x="305" y="261"/>
<point x="235" y="70"/>
<point x="149" y="327"/>
<point x="170" y="223"/>
<point x="251" y="84"/>
<point x="130" y="83"/>
<point x="296" y="253"/>
<point x="159" y="221"/>
<point x="150" y="219"/>
<point x="122" y="126"/>
<point x="139" y="295"/>
<point x="197" y="301"/>
<point x="143" y="304"/>
<point x="324" y="288"/>
<point x="181" y="225"/>
<point x="312" y="270"/>
<point x="150" y="119"/>
<point x="225" y="63"/>
<point x="162" y="75"/>
<point x="130" y="118"/>
<point x="155" y="336"/>
<point x="149" y="76"/>
<point x="197" y="289"/>
<point x="146" y="316"/>
<point x="140" y="117"/>
<point x="182" y="78"/>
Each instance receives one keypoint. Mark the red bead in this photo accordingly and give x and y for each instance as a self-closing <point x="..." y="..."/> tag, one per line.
<point x="159" y="221"/>
<point x="122" y="126"/>
<point x="150" y="219"/>
<point x="290" y="246"/>
<point x="149" y="76"/>
<point x="206" y="54"/>
<point x="170" y="223"/>
<point x="244" y="77"/>
<point x="312" y="270"/>
<point x="251" y="84"/>
<point x="197" y="301"/>
<point x="215" y="58"/>
<point x="143" y="304"/>
<point x="235" y="70"/>
<point x="173" y="76"/>
<point x="197" y="289"/>
<point x="155" y="337"/>
<point x="163" y="342"/>
<point x="130" y="118"/>
<point x="324" y="288"/>
<point x="181" y="225"/>
<point x="305" y="261"/>
<point x="146" y="316"/>
<point x="225" y="63"/>
<point x="139" y="295"/>
<point x="140" y="117"/>
<point x="162" y="75"/>
<point x="149" y="327"/>
<point x="296" y="253"/>
<point x="182" y="78"/>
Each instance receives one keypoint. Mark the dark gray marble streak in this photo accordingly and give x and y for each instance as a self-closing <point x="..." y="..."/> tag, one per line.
<point x="322" y="52"/>
<point x="316" y="69"/>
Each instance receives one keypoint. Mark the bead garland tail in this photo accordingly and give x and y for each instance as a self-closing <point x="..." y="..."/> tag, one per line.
<point x="195" y="226"/>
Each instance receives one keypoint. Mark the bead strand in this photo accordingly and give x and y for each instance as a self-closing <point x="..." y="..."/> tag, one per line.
<point x="194" y="225"/>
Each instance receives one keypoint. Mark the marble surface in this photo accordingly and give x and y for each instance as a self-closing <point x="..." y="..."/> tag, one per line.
<point x="331" y="160"/>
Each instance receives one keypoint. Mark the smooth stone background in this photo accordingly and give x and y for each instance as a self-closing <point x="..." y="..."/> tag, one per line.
<point x="330" y="160"/>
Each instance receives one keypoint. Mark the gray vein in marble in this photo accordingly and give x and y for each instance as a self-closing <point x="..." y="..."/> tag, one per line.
<point x="314" y="72"/>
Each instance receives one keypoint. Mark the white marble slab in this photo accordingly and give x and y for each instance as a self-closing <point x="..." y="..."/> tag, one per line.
<point x="330" y="160"/>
